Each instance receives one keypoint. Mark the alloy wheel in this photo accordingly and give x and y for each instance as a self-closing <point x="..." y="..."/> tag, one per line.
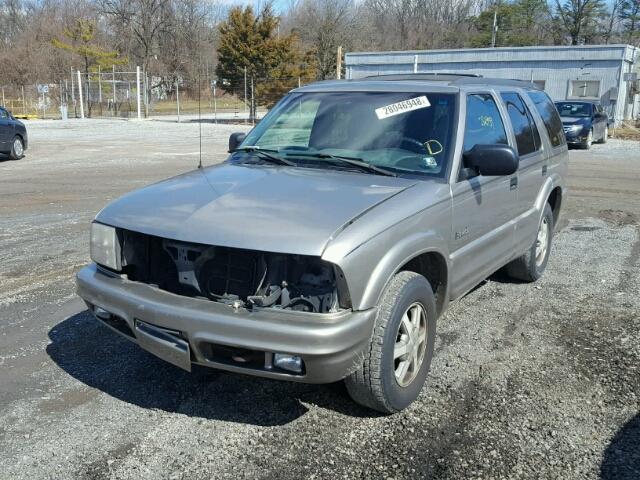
<point x="542" y="241"/>
<point x="18" y="148"/>
<point x="411" y="344"/>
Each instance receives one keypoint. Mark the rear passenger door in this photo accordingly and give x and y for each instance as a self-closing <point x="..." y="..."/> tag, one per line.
<point x="532" y="169"/>
<point x="482" y="230"/>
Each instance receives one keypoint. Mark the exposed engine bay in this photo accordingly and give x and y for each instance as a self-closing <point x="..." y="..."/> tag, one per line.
<point x="241" y="278"/>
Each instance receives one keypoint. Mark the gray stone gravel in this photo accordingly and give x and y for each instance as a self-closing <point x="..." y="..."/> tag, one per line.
<point x="529" y="381"/>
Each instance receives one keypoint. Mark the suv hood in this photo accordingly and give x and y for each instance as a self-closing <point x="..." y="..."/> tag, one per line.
<point x="256" y="207"/>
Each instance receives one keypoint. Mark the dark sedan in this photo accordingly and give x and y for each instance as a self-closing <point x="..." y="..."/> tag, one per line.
<point x="13" y="135"/>
<point x="583" y="122"/>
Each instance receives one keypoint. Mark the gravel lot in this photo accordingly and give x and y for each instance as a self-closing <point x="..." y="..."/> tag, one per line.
<point x="528" y="381"/>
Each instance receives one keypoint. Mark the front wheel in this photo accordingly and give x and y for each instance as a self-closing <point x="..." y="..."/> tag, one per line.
<point x="530" y="266"/>
<point x="17" y="149"/>
<point x="398" y="358"/>
<point x="605" y="135"/>
<point x="589" y="141"/>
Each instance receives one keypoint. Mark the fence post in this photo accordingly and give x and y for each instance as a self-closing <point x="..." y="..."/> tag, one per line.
<point x="245" y="95"/>
<point x="138" y="91"/>
<point x="80" y="95"/>
<point x="215" y="102"/>
<point x="178" y="100"/>
<point x="253" y="104"/>
<point x="114" y="89"/>
<point x="100" y="87"/>
<point x="24" y="103"/>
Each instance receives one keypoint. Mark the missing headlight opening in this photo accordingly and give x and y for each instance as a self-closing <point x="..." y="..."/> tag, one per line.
<point x="231" y="276"/>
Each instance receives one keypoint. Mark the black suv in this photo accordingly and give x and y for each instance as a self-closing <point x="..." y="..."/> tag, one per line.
<point x="583" y="122"/>
<point x="13" y="135"/>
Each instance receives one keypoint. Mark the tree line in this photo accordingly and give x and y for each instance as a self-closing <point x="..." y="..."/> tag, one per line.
<point x="186" y="40"/>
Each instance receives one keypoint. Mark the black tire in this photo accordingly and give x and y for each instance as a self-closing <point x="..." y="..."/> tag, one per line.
<point x="374" y="385"/>
<point x="16" y="153"/>
<point x="587" y="143"/>
<point x="605" y="135"/>
<point x="527" y="267"/>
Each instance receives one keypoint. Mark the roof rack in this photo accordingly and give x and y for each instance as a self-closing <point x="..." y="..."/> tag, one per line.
<point x="453" y="79"/>
<point x="422" y="76"/>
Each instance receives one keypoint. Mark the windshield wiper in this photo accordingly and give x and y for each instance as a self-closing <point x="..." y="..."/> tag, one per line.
<point x="265" y="154"/>
<point x="356" y="162"/>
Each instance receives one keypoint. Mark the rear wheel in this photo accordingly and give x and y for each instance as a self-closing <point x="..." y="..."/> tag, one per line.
<point x="530" y="266"/>
<point x="398" y="358"/>
<point x="17" y="148"/>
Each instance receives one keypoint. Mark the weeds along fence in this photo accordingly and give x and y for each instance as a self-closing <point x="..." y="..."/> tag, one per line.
<point x="137" y="94"/>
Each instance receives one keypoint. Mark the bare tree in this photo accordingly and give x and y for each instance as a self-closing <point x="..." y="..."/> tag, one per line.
<point x="145" y="20"/>
<point x="322" y="26"/>
<point x="580" y="18"/>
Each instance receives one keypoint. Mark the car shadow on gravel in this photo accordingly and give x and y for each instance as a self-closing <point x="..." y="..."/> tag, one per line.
<point x="622" y="457"/>
<point x="99" y="358"/>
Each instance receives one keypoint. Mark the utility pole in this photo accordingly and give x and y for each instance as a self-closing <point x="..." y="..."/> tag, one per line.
<point x="339" y="63"/>
<point x="494" y="29"/>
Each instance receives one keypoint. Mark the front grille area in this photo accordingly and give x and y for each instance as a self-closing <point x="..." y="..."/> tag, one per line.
<point x="234" y="276"/>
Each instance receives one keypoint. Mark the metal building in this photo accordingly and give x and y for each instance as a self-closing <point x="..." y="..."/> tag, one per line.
<point x="608" y="73"/>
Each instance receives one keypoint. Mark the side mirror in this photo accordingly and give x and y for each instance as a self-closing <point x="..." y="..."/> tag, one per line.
<point x="235" y="139"/>
<point x="492" y="160"/>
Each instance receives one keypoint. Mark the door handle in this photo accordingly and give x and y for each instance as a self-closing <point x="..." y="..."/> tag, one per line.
<point x="513" y="184"/>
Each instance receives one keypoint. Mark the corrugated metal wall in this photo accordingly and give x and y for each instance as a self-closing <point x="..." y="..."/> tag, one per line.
<point x="556" y="66"/>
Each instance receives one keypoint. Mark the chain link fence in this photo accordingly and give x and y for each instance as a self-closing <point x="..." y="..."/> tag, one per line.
<point x="136" y="94"/>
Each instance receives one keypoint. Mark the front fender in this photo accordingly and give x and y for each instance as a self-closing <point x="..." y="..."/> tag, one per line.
<point x="370" y="266"/>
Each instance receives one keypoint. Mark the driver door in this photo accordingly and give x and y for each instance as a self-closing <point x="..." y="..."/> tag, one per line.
<point x="483" y="230"/>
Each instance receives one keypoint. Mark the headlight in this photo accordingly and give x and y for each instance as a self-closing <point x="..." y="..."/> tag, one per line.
<point x="105" y="247"/>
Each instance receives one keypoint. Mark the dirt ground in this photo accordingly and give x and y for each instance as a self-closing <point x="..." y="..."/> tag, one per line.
<point x="532" y="381"/>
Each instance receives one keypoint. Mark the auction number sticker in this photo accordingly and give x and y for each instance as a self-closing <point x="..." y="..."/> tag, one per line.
<point x="402" y="107"/>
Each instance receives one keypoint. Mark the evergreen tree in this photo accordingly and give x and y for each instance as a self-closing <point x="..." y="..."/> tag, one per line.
<point x="252" y="42"/>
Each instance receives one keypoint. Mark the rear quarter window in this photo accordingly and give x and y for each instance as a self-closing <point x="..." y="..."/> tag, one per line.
<point x="550" y="117"/>
<point x="524" y="128"/>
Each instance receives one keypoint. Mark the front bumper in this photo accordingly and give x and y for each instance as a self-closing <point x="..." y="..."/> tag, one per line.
<point x="578" y="138"/>
<point x="331" y="345"/>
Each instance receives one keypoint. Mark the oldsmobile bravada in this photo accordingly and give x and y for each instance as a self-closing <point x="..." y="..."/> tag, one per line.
<point x="336" y="233"/>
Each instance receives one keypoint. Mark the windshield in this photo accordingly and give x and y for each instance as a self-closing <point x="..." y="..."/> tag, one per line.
<point x="401" y="132"/>
<point x="568" y="109"/>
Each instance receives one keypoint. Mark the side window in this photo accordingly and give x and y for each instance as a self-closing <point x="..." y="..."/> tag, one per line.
<point x="3" y="113"/>
<point x="483" y="123"/>
<point x="550" y="117"/>
<point x="524" y="128"/>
